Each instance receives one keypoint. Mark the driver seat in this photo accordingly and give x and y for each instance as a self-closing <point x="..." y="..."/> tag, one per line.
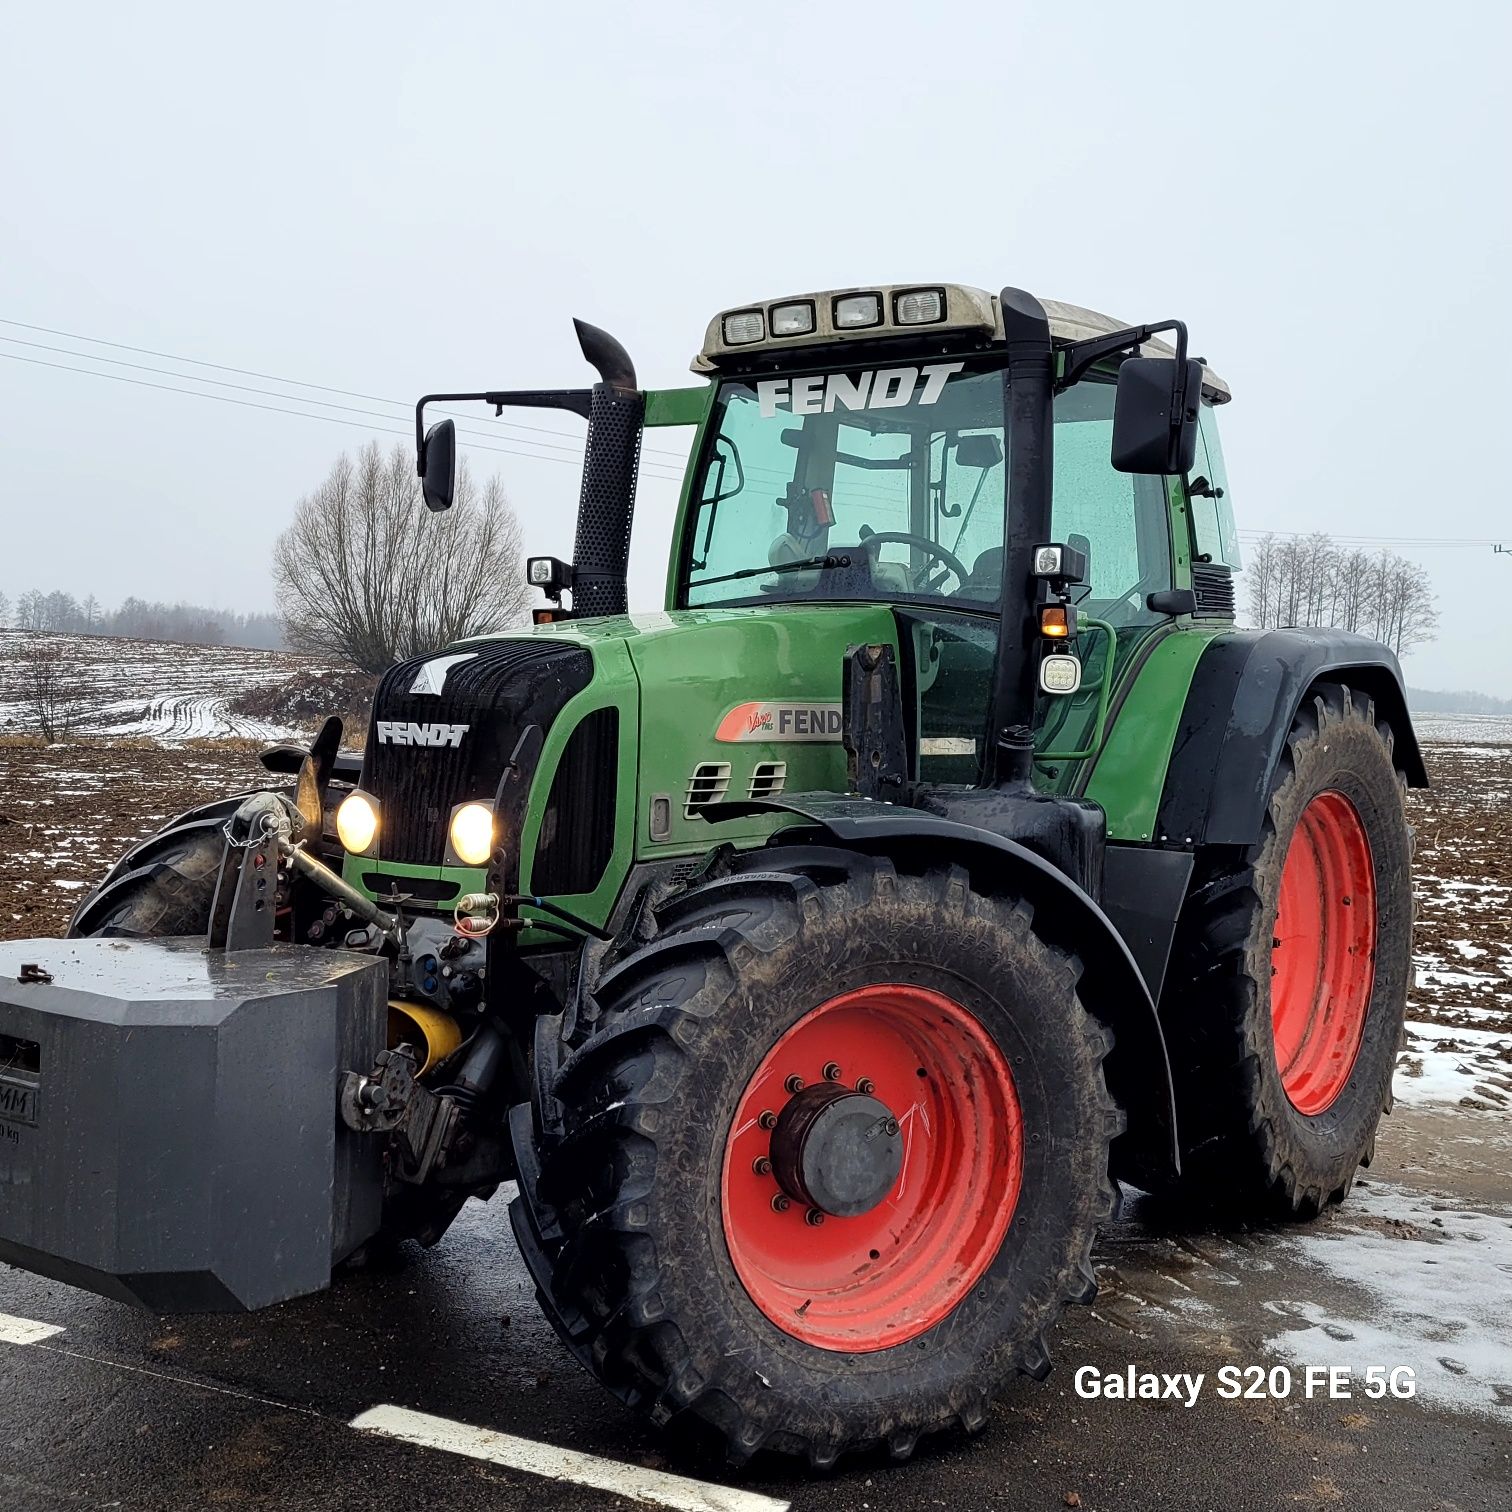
<point x="986" y="577"/>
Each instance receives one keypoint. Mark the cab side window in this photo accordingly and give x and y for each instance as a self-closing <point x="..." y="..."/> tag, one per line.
<point x="1120" y="520"/>
<point x="1214" y="535"/>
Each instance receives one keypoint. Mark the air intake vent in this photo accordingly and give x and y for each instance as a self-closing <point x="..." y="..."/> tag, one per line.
<point x="481" y="698"/>
<point x="708" y="784"/>
<point x="577" y="829"/>
<point x="768" y="779"/>
<point x="1214" y="587"/>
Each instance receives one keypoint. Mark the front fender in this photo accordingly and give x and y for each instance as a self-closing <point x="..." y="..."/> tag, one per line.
<point x="1113" y="990"/>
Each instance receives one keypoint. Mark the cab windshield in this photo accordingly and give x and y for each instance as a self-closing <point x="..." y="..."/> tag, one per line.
<point x="875" y="482"/>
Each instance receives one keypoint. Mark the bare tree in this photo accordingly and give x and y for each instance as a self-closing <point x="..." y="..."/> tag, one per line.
<point x="30" y="611"/>
<point x="1405" y="614"/>
<point x="4" y="611"/>
<point x="367" y="572"/>
<point x="52" y="687"/>
<point x="1308" y="580"/>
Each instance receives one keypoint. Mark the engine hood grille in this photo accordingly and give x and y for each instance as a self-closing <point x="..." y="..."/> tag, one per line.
<point x="444" y="725"/>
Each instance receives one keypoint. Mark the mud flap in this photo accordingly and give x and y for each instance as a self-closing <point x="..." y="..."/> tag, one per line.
<point x="169" y="1132"/>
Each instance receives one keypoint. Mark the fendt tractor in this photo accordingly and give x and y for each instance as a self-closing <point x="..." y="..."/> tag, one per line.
<point x="816" y="956"/>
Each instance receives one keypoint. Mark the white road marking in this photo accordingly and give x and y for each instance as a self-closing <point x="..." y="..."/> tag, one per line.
<point x="24" y="1331"/>
<point x="629" y="1481"/>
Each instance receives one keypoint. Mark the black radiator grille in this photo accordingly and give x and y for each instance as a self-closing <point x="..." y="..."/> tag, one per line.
<point x="1214" y="587"/>
<point x="501" y="688"/>
<point x="577" y="829"/>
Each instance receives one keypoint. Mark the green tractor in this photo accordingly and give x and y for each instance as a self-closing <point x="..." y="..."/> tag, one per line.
<point x="818" y="954"/>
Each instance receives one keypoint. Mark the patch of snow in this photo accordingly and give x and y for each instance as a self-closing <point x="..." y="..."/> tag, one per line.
<point x="1434" y="1280"/>
<point x="1442" y="1064"/>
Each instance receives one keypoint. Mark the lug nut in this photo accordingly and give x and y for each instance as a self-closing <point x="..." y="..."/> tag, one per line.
<point x="781" y="1202"/>
<point x="794" y="1084"/>
<point x="762" y="1166"/>
<point x="832" y="1072"/>
<point x="866" y="1086"/>
<point x="813" y="1217"/>
<point x="768" y="1120"/>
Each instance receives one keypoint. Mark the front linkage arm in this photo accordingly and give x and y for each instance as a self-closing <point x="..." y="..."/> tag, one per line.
<point x="265" y="839"/>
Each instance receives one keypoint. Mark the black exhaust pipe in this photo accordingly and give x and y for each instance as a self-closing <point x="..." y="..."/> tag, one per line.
<point x="606" y="507"/>
<point x="1026" y="524"/>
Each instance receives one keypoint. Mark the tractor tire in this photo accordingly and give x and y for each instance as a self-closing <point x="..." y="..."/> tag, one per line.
<point x="164" y="886"/>
<point x="837" y="1301"/>
<point x="1291" y="974"/>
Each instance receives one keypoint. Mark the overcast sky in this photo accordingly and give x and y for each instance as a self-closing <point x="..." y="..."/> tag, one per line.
<point x="390" y="198"/>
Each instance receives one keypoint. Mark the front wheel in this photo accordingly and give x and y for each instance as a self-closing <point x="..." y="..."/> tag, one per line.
<point x="823" y="1160"/>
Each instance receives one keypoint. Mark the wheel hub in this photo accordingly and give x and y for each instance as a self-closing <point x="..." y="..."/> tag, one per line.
<point x="837" y="1150"/>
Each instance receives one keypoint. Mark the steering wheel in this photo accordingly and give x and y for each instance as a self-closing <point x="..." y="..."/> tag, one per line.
<point x="870" y="538"/>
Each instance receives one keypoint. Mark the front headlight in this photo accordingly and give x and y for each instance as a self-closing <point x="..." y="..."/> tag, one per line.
<point x="357" y="823"/>
<point x="472" y="833"/>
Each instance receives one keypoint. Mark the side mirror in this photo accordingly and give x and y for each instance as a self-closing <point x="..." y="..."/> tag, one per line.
<point x="1155" y="415"/>
<point x="438" y="466"/>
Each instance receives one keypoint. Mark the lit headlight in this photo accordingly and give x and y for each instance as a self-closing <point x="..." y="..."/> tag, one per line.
<point x="472" y="833"/>
<point x="357" y="823"/>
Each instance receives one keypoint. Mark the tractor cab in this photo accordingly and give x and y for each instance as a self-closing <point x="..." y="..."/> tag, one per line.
<point x="885" y="478"/>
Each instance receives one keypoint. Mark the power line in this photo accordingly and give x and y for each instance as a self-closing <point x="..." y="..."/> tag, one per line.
<point x="247" y="388"/>
<point x="221" y="367"/>
<point x="1254" y="534"/>
<point x="302" y="414"/>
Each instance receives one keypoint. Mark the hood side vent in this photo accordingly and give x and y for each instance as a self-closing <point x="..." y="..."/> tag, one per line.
<point x="768" y="778"/>
<point x="708" y="784"/>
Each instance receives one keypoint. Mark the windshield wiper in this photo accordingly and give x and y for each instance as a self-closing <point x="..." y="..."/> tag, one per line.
<point x="804" y="564"/>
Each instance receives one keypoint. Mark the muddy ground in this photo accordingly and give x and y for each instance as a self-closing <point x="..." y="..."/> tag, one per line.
<point x="66" y="812"/>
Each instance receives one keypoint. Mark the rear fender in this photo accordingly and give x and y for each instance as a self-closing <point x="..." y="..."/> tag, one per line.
<point x="1243" y="699"/>
<point x="1113" y="990"/>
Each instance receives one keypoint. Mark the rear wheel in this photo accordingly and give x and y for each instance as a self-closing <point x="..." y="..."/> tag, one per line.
<point x="1290" y="985"/>
<point x="822" y="1161"/>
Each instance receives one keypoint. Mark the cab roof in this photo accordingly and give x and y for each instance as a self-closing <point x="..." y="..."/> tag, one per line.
<point x="963" y="308"/>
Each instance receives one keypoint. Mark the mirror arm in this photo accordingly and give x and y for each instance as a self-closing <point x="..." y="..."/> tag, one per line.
<point x="1087" y="354"/>
<point x="575" y="400"/>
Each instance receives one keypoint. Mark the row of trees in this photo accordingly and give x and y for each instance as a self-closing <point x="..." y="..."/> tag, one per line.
<point x="63" y="614"/>
<point x="1309" y="580"/>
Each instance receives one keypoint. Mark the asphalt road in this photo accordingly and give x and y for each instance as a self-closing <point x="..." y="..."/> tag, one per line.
<point x="120" y="1409"/>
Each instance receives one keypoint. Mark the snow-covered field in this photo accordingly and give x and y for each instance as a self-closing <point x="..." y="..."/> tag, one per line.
<point x="156" y="690"/>
<point x="1464" y="729"/>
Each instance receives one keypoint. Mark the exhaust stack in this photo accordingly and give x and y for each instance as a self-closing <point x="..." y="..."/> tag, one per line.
<point x="606" y="506"/>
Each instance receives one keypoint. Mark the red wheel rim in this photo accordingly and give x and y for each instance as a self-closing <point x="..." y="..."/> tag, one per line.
<point x="1323" y="955"/>
<point x="873" y="1281"/>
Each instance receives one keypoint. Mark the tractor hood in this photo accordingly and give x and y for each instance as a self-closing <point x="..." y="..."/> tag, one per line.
<point x="614" y="732"/>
